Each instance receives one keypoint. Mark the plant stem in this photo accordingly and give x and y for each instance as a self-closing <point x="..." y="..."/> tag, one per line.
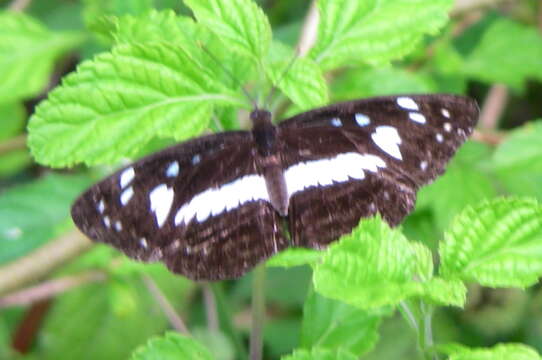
<point x="13" y="144"/>
<point x="48" y="289"/>
<point x="19" y="5"/>
<point x="494" y="105"/>
<point x="225" y="319"/>
<point x="258" y="313"/>
<point x="168" y="309"/>
<point x="425" y="336"/>
<point x="420" y="322"/>
<point x="404" y="309"/>
<point x="309" y="30"/>
<point x="210" y="307"/>
<point x="428" y="318"/>
<point x="42" y="261"/>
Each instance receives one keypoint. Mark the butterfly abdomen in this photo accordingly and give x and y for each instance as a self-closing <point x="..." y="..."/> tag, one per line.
<point x="268" y="159"/>
<point x="276" y="187"/>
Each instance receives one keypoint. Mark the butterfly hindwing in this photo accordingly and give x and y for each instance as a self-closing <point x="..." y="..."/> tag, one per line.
<point x="138" y="209"/>
<point x="367" y="156"/>
<point x="333" y="182"/>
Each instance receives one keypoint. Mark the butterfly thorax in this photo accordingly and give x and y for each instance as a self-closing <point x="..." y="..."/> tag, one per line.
<point x="268" y="159"/>
<point x="264" y="132"/>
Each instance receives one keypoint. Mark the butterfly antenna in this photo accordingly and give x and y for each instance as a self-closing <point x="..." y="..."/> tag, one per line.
<point x="230" y="74"/>
<point x="281" y="77"/>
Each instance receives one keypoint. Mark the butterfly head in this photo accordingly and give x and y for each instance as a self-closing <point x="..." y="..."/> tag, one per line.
<point x="260" y="117"/>
<point x="263" y="131"/>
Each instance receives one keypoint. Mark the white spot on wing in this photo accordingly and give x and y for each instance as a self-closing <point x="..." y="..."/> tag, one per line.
<point x="326" y="172"/>
<point x="101" y="206"/>
<point x="229" y="196"/>
<point x="118" y="225"/>
<point x="107" y="222"/>
<point x="417" y="117"/>
<point x="447" y="127"/>
<point x="445" y="113"/>
<point x="126" y="196"/>
<point x="173" y="169"/>
<point x="161" y="198"/>
<point x="143" y="243"/>
<point x="387" y="138"/>
<point x="423" y="165"/>
<point x="126" y="177"/>
<point x="336" y="122"/>
<point x="439" y="137"/>
<point x="407" y="103"/>
<point x="362" y="119"/>
<point x="196" y="159"/>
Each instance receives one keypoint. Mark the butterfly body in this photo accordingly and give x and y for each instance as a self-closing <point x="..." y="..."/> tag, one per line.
<point x="268" y="159"/>
<point x="213" y="207"/>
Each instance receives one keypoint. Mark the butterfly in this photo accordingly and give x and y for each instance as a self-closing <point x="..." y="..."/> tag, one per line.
<point x="213" y="207"/>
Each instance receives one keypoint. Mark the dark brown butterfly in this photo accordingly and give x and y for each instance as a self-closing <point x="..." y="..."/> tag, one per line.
<point x="213" y="207"/>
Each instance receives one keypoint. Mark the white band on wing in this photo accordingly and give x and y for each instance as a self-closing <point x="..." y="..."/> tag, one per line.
<point x="229" y="196"/>
<point x="324" y="172"/>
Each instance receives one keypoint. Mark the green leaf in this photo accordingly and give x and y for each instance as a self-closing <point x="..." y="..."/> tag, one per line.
<point x="420" y="226"/>
<point x="497" y="243"/>
<point x="95" y="9"/>
<point x="376" y="266"/>
<point x="317" y="353"/>
<point x="441" y="291"/>
<point x="497" y="352"/>
<point x="294" y="257"/>
<point x="500" y="56"/>
<point x="8" y="321"/>
<point x="28" y="52"/>
<point x="152" y="26"/>
<point x="304" y="82"/>
<point x="424" y="261"/>
<point x="284" y="287"/>
<point x="95" y="313"/>
<point x="13" y="119"/>
<point x="281" y="335"/>
<point x="447" y="59"/>
<point x="333" y="325"/>
<point x="115" y="104"/>
<point x="240" y="24"/>
<point x="373" y="31"/>
<point x="465" y="182"/>
<point x="215" y="342"/>
<point x="31" y="214"/>
<point x="12" y="124"/>
<point x="58" y="15"/>
<point x="301" y="81"/>
<point x="172" y="346"/>
<point x="226" y="118"/>
<point x="367" y="82"/>
<point x="183" y="32"/>
<point x="518" y="160"/>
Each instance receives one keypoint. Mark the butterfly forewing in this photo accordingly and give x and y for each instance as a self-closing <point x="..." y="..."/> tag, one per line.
<point x="417" y="134"/>
<point x="367" y="156"/>
<point x="151" y="209"/>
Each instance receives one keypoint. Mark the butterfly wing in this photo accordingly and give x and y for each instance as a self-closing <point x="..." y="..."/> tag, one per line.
<point x="164" y="208"/>
<point x="385" y="147"/>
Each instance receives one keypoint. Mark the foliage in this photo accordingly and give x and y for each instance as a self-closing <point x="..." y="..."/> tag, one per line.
<point x="150" y="72"/>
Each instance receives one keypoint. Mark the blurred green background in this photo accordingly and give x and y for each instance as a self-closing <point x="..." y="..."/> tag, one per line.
<point x="490" y="50"/>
